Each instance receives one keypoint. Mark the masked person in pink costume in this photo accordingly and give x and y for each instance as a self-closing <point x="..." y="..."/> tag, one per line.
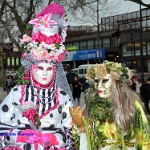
<point x="35" y="116"/>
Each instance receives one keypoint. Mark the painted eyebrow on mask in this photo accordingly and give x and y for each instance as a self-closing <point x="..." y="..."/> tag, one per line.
<point x="105" y="80"/>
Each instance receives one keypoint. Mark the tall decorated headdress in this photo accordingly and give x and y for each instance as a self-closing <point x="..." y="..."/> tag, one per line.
<point x="43" y="41"/>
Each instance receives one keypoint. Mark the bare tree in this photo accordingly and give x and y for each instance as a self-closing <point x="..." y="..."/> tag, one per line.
<point x="85" y="11"/>
<point x="14" y="15"/>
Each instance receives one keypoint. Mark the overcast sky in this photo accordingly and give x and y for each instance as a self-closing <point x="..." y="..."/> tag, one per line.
<point x="123" y="7"/>
<point x="128" y="6"/>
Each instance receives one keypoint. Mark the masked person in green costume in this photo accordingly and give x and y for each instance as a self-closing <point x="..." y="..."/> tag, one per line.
<point x="116" y="118"/>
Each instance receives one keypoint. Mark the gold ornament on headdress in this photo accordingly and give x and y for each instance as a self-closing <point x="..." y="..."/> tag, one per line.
<point x="118" y="71"/>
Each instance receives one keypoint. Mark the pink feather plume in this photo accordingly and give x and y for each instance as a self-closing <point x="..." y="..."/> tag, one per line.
<point x="52" y="8"/>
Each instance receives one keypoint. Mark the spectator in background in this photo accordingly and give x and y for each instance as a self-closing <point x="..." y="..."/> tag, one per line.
<point x="85" y="85"/>
<point x="145" y="94"/>
<point x="134" y="84"/>
<point x="8" y="84"/>
<point x="13" y="81"/>
<point x="76" y="89"/>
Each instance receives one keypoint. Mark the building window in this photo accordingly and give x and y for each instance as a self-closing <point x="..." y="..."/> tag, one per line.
<point x="76" y="44"/>
<point x="13" y="61"/>
<point x="138" y="48"/>
<point x="144" y="48"/>
<point x="106" y="42"/>
<point x="17" y="61"/>
<point x="96" y="43"/>
<point x="8" y="61"/>
<point x="148" y="48"/>
<point x="83" y="45"/>
<point x="90" y="44"/>
<point x="128" y="49"/>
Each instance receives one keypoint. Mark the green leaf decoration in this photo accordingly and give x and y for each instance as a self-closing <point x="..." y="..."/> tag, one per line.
<point x="38" y="123"/>
<point x="71" y="48"/>
<point x="28" y="26"/>
<point x="57" y="46"/>
<point x="20" y="77"/>
<point x="36" y="117"/>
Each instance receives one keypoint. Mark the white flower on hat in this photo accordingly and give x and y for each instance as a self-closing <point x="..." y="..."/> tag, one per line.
<point x="40" y="53"/>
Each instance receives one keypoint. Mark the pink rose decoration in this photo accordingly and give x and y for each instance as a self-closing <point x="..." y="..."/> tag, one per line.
<point x="57" y="38"/>
<point x="49" y="40"/>
<point x="23" y="55"/>
<point x="39" y="37"/>
<point x="27" y="76"/>
<point x="60" y="57"/>
<point x="30" y="113"/>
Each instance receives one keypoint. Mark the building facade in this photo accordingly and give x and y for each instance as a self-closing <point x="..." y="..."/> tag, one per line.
<point x="120" y="37"/>
<point x="10" y="57"/>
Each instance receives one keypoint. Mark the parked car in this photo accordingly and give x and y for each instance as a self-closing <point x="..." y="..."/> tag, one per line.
<point x="7" y="73"/>
<point x="82" y="70"/>
<point x="13" y="73"/>
<point x="75" y="70"/>
<point x="10" y="73"/>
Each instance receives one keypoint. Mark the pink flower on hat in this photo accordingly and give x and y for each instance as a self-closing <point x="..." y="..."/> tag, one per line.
<point x="25" y="38"/>
<point x="42" y="21"/>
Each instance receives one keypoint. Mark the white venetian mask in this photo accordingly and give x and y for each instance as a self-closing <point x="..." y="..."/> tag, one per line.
<point x="43" y="73"/>
<point x="104" y="86"/>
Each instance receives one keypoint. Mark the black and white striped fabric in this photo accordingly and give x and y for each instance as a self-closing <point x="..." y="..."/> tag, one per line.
<point x="44" y="98"/>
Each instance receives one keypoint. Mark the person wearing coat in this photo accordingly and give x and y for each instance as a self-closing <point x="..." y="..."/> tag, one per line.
<point x="145" y="94"/>
<point x="135" y="84"/>
<point x="113" y="118"/>
<point x="76" y="89"/>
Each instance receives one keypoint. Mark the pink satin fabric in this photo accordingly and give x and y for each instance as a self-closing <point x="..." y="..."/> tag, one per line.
<point x="57" y="149"/>
<point x="12" y="148"/>
<point x="44" y="139"/>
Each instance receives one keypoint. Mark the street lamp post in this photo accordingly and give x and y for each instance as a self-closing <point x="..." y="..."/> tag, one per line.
<point x="98" y="33"/>
<point x="141" y="34"/>
<point x="141" y="45"/>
